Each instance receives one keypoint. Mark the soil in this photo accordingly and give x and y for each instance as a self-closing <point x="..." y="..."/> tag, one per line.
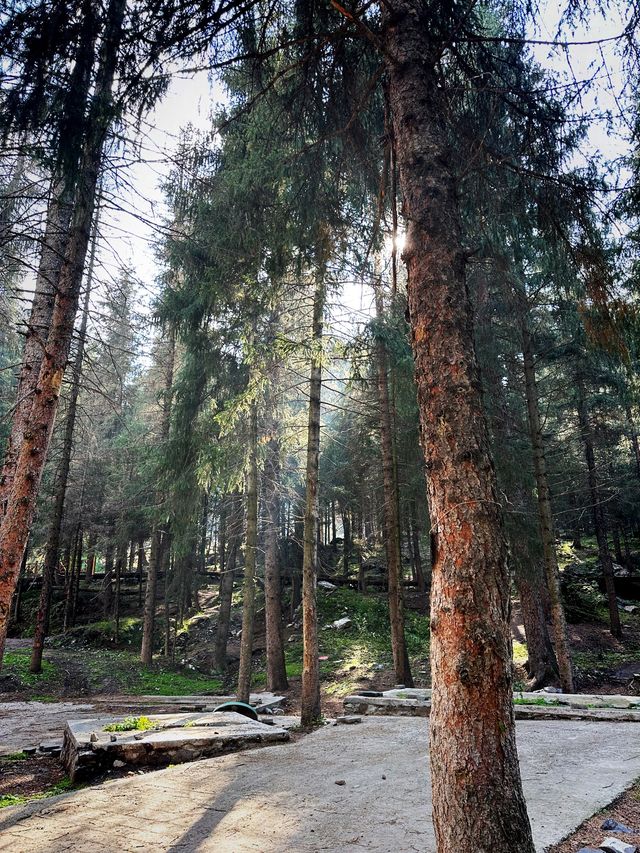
<point x="625" y="809"/>
<point x="29" y="776"/>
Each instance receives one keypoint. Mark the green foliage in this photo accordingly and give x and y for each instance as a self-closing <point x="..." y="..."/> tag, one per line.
<point x="16" y="665"/>
<point x="141" y="724"/>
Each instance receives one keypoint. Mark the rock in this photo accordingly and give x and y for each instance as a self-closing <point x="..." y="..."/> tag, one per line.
<point x="117" y="764"/>
<point x="93" y="737"/>
<point x="113" y="738"/>
<point x="370" y="693"/>
<point x="348" y="719"/>
<point x="339" y="624"/>
<point x="551" y="690"/>
<point x="630" y="608"/>
<point x="52" y="747"/>
<point x="29" y="750"/>
<point x="589" y="850"/>
<point x="327" y="585"/>
<point x="611" y="825"/>
<point x="614" y="845"/>
<point x="340" y="782"/>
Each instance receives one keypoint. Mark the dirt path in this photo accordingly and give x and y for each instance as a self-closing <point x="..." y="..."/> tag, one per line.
<point x="286" y="797"/>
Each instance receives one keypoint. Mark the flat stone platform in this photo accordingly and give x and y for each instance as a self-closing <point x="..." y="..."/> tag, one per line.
<point x="175" y="738"/>
<point x="416" y="702"/>
<point x="286" y="798"/>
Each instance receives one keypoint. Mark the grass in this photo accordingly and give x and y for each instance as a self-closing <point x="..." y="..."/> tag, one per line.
<point x="130" y="724"/>
<point x="20" y="799"/>
<point x="15" y="756"/>
<point x="107" y="670"/>
<point x="521" y="700"/>
<point x="16" y="665"/>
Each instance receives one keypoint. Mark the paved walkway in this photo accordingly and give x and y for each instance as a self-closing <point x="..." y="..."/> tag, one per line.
<point x="284" y="798"/>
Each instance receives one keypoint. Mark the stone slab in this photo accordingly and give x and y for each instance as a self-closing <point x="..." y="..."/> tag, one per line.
<point x="285" y="798"/>
<point x="416" y="702"/>
<point x="88" y="749"/>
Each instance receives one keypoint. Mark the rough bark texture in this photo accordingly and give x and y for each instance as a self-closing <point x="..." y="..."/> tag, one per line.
<point x="56" y="240"/>
<point x="249" y="587"/>
<point x="599" y="521"/>
<point x="21" y="502"/>
<point x="478" y="805"/>
<point x="276" y="670"/>
<point x="310" y="696"/>
<point x="52" y="551"/>
<point x="541" y="662"/>
<point x="392" y="539"/>
<point x="545" y="514"/>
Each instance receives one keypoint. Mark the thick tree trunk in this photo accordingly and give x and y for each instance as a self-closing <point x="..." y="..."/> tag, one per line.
<point x="276" y="669"/>
<point x="633" y="437"/>
<point x="392" y="539"/>
<point x="107" y="581"/>
<point x="541" y="659"/>
<point x="21" y="503"/>
<point x="249" y="587"/>
<point x="148" y="621"/>
<point x="310" y="696"/>
<point x="478" y="804"/>
<point x="52" y="551"/>
<point x="545" y="513"/>
<point x="599" y="521"/>
<point x="56" y="241"/>
<point x="91" y="553"/>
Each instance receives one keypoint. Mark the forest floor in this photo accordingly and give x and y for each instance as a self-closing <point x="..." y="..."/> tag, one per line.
<point x="337" y="789"/>
<point x="88" y="664"/>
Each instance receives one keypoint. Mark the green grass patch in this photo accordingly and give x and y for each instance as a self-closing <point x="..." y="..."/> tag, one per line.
<point x="20" y="799"/>
<point x="130" y="724"/>
<point x="16" y="665"/>
<point x="521" y="700"/>
<point x="14" y="756"/>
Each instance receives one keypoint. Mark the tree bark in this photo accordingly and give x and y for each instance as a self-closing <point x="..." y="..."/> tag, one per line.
<point x="545" y="513"/>
<point x="249" y="588"/>
<point x="478" y="804"/>
<point x="15" y="525"/>
<point x="56" y="241"/>
<point x="276" y="669"/>
<point x="149" y="616"/>
<point x="310" y="696"/>
<point x="232" y="517"/>
<point x="52" y="552"/>
<point x="392" y="539"/>
<point x="599" y="521"/>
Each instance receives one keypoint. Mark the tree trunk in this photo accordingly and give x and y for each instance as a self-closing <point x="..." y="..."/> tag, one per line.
<point x="276" y="669"/>
<point x="52" y="551"/>
<point x="541" y="663"/>
<point x="310" y="696"/>
<point x="107" y="582"/>
<point x="232" y="517"/>
<point x="545" y="513"/>
<point x="91" y="553"/>
<point x="148" y="621"/>
<point x="417" y="556"/>
<point x="346" y="542"/>
<point x="392" y="539"/>
<point x="249" y="588"/>
<point x="478" y="804"/>
<point x="55" y="244"/>
<point x="633" y="436"/>
<point x="15" y="525"/>
<point x="599" y="521"/>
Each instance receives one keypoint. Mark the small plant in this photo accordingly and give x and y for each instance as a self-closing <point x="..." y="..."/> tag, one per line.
<point x="15" y="756"/>
<point x="521" y="700"/>
<point x="19" y="799"/>
<point x="129" y="724"/>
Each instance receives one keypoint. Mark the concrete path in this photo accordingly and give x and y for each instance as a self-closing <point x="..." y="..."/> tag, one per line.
<point x="285" y="798"/>
<point x="24" y="724"/>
